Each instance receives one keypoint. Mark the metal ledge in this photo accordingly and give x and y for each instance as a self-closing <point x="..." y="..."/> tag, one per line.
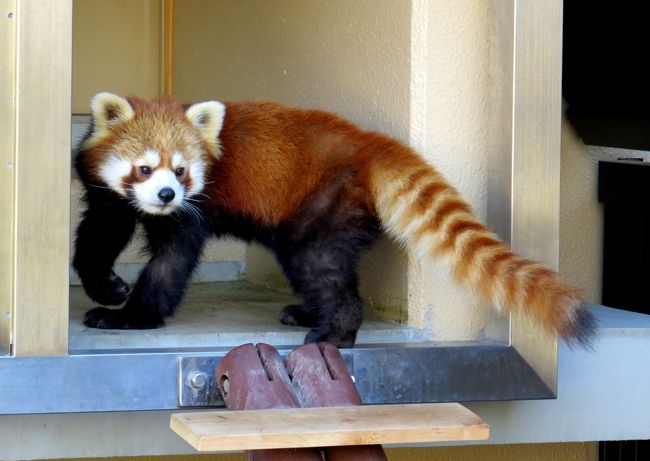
<point x="149" y="381"/>
<point x="602" y="395"/>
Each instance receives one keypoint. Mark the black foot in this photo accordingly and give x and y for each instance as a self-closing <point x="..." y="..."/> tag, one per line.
<point x="298" y="315"/>
<point x="119" y="319"/>
<point x="109" y="291"/>
<point x="339" y="339"/>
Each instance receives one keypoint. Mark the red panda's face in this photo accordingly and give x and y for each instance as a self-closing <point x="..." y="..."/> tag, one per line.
<point x="153" y="153"/>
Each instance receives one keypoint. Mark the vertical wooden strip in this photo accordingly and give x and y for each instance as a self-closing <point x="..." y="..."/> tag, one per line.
<point x="7" y="162"/>
<point x="42" y="206"/>
<point x="167" y="49"/>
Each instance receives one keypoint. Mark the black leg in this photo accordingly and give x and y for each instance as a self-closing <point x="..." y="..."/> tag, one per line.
<point x="105" y="229"/>
<point x="300" y="315"/>
<point x="175" y="244"/>
<point x="327" y="281"/>
<point x="295" y="314"/>
<point x="319" y="252"/>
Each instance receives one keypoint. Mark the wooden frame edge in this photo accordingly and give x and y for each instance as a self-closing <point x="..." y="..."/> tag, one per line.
<point x="42" y="189"/>
<point x="7" y="169"/>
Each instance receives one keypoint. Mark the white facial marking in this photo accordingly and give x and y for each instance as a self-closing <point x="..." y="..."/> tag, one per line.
<point x="151" y="159"/>
<point x="147" y="192"/>
<point x="196" y="172"/>
<point x="113" y="171"/>
<point x="177" y="159"/>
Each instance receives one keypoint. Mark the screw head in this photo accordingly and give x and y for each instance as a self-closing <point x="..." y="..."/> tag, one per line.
<point x="198" y="380"/>
<point x="10" y="15"/>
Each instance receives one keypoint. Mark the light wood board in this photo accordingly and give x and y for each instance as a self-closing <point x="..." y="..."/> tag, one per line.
<point x="321" y="427"/>
<point x="42" y="181"/>
<point x="7" y="166"/>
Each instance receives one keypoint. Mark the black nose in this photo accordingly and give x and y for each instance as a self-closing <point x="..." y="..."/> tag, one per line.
<point x="166" y="194"/>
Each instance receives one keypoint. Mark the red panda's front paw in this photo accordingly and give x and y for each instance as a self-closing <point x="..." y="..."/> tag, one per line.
<point x="121" y="319"/>
<point x="109" y="291"/>
<point x="298" y="315"/>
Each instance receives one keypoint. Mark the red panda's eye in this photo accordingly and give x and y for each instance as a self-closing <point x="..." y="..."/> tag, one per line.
<point x="145" y="170"/>
<point x="180" y="171"/>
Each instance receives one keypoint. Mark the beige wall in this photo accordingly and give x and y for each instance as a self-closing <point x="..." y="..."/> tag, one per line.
<point x="581" y="216"/>
<point x="533" y="452"/>
<point x="348" y="57"/>
<point x="449" y="116"/>
<point x="116" y="47"/>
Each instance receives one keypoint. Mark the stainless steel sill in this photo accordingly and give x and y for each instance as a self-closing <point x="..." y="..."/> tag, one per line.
<point x="115" y="381"/>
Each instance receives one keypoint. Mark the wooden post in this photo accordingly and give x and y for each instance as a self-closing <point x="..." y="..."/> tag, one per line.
<point x="42" y="187"/>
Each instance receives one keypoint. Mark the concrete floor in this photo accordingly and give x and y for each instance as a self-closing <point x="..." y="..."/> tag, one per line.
<point x="222" y="314"/>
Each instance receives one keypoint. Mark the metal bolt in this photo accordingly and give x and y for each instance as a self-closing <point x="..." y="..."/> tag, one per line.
<point x="198" y="380"/>
<point x="10" y="15"/>
<point x="7" y="314"/>
<point x="10" y="165"/>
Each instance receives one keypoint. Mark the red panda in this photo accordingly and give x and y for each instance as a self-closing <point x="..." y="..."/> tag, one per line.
<point x="311" y="186"/>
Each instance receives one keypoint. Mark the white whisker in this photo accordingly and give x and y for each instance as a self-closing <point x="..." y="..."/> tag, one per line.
<point x="192" y="210"/>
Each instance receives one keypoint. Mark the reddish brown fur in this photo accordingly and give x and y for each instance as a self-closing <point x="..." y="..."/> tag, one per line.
<point x="293" y="154"/>
<point x="456" y="230"/>
<point x="426" y="197"/>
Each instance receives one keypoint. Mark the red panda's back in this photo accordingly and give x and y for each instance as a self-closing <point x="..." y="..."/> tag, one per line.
<point x="273" y="157"/>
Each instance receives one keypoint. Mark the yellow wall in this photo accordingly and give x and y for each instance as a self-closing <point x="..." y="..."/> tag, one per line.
<point x="581" y="216"/>
<point x="533" y="452"/>
<point x="116" y="47"/>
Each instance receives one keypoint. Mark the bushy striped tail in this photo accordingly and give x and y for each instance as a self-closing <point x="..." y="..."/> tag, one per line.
<point x="420" y="209"/>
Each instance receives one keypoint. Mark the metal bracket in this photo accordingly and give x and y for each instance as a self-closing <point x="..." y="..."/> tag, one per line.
<point x="163" y="381"/>
<point x="197" y="385"/>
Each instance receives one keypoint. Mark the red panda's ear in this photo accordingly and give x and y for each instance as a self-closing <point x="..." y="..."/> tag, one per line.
<point x="107" y="110"/>
<point x="208" y="117"/>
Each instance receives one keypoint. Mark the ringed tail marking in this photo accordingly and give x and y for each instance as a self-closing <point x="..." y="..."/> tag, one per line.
<point x="421" y="210"/>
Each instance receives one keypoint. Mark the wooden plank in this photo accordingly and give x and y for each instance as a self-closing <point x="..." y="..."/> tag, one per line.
<point x="7" y="163"/>
<point x="42" y="207"/>
<point x="321" y="427"/>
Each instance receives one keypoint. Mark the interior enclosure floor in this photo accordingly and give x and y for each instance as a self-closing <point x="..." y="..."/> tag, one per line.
<point x="220" y="314"/>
